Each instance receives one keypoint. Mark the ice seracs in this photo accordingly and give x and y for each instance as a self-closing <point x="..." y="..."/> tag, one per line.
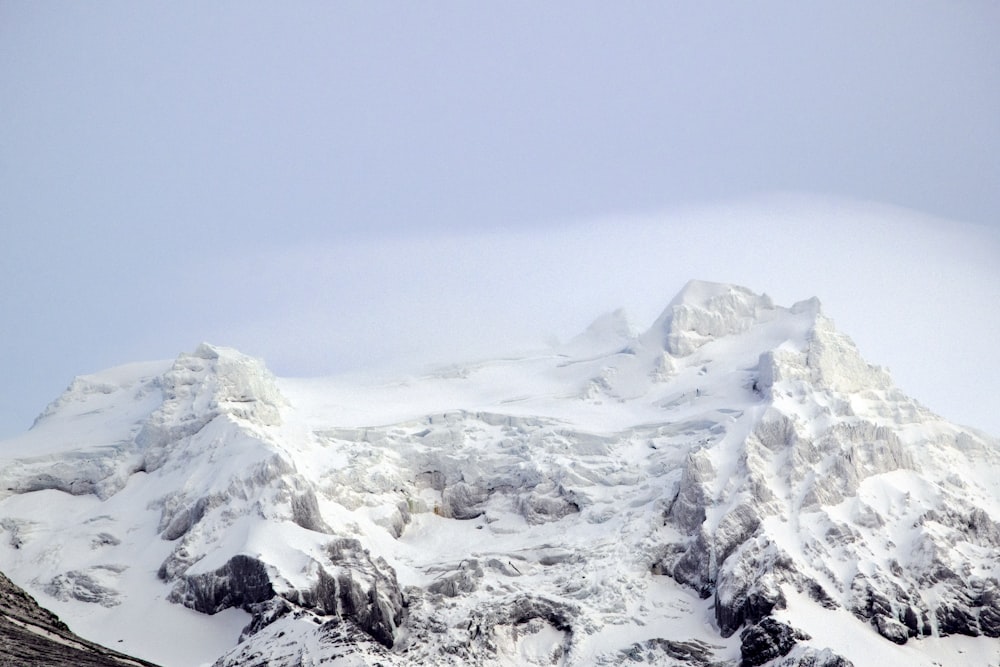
<point x="734" y="485"/>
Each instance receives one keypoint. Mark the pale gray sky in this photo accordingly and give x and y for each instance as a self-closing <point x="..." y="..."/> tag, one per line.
<point x="334" y="185"/>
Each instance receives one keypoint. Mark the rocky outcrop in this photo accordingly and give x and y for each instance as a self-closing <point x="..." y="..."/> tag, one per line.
<point x="242" y="582"/>
<point x="352" y="587"/>
<point x="654" y="652"/>
<point x="893" y="612"/>
<point x="971" y="611"/>
<point x="767" y="640"/>
<point x="749" y="586"/>
<point x="363" y="590"/>
<point x="92" y="585"/>
<point x="807" y="656"/>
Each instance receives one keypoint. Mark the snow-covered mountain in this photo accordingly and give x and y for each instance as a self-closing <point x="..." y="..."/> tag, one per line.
<point x="734" y="485"/>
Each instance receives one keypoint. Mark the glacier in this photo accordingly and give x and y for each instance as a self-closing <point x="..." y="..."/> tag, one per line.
<point x="735" y="485"/>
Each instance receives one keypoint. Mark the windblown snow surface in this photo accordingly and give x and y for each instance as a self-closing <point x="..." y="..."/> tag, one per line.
<point x="734" y="485"/>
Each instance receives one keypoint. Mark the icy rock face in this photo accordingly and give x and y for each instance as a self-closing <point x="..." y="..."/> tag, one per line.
<point x="711" y="491"/>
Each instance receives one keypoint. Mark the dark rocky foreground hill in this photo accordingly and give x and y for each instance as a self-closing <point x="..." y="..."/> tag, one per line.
<point x="31" y="636"/>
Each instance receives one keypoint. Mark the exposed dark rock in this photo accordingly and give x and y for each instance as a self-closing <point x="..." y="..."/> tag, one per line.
<point x="346" y="597"/>
<point x="305" y="512"/>
<point x="264" y="614"/>
<point x="364" y="591"/>
<point x="818" y="594"/>
<point x="767" y="640"/>
<point x="693" y="567"/>
<point x="746" y="585"/>
<point x="982" y="529"/>
<point x="556" y="614"/>
<point x="756" y="605"/>
<point x="16" y="603"/>
<point x="956" y="620"/>
<point x="811" y="657"/>
<point x="916" y="621"/>
<point x="989" y="616"/>
<point x="241" y="582"/>
<point x="892" y="629"/>
<point x="488" y="620"/>
<point x="177" y="563"/>
<point x="892" y="611"/>
<point x="749" y="588"/>
<point x="693" y="652"/>
<point x="840" y="534"/>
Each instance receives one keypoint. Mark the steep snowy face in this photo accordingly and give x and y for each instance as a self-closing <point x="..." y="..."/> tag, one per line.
<point x="733" y="485"/>
<point x="193" y="482"/>
<point x="83" y="443"/>
<point x="838" y="490"/>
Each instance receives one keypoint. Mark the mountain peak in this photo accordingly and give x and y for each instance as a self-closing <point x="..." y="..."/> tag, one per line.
<point x="610" y="330"/>
<point x="203" y="385"/>
<point x="704" y="311"/>
<point x="224" y="380"/>
<point x="705" y="293"/>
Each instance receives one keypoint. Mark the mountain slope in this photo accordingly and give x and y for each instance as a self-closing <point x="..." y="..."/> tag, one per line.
<point x="33" y="636"/>
<point x="733" y="485"/>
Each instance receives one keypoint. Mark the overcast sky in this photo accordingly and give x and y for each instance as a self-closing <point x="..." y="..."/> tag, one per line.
<point x="333" y="186"/>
